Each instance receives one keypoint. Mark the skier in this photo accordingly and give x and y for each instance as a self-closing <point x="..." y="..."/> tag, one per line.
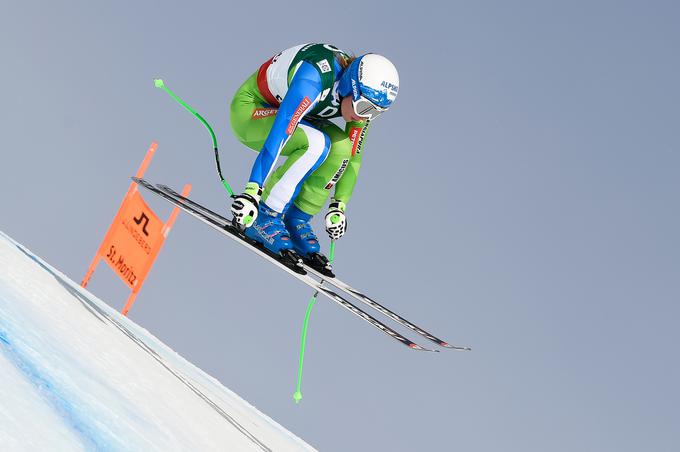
<point x="284" y="109"/>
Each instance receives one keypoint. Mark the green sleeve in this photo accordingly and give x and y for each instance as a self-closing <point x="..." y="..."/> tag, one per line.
<point x="345" y="186"/>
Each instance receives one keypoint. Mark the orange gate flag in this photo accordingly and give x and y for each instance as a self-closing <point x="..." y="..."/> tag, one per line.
<point x="135" y="237"/>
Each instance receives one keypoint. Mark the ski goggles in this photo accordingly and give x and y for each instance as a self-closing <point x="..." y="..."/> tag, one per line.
<point x="367" y="109"/>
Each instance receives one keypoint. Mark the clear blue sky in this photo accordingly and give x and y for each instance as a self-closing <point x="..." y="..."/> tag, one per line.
<point x="541" y="137"/>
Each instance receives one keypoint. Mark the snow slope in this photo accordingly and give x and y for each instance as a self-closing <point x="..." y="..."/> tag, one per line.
<point x="76" y="375"/>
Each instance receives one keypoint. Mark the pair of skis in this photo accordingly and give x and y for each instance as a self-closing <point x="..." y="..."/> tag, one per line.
<point x="303" y="273"/>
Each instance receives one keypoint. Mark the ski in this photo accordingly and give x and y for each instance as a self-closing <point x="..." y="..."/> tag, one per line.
<point x="234" y="234"/>
<point x="383" y="310"/>
<point x="334" y="281"/>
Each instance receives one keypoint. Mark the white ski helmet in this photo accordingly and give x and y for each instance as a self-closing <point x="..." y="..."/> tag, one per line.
<point x="373" y="82"/>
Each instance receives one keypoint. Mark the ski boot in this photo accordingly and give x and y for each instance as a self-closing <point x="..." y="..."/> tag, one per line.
<point x="305" y="242"/>
<point x="269" y="233"/>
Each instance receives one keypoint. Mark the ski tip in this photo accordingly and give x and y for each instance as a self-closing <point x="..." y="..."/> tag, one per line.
<point x="455" y="347"/>
<point x="415" y="346"/>
<point x="141" y="181"/>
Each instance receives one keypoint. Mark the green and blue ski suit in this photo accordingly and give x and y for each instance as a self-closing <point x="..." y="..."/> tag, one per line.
<point x="285" y="109"/>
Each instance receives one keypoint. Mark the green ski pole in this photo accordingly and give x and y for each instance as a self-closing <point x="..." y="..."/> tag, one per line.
<point x="297" y="396"/>
<point x="161" y="85"/>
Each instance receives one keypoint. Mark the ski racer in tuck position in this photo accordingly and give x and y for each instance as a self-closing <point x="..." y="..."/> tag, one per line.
<point x="285" y="109"/>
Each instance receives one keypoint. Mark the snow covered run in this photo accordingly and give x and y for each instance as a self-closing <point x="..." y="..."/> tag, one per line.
<point x="76" y="375"/>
